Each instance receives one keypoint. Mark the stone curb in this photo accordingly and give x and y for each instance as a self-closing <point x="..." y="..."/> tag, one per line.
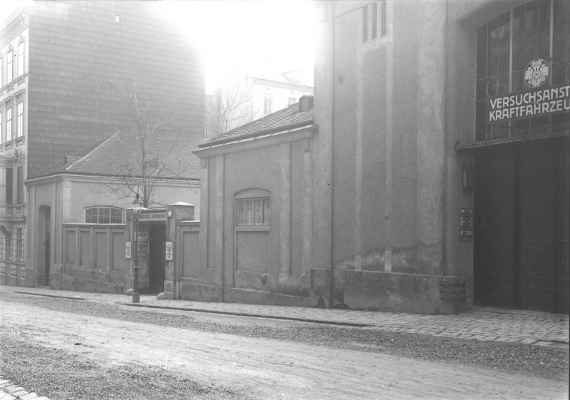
<point x="243" y="314"/>
<point x="9" y="391"/>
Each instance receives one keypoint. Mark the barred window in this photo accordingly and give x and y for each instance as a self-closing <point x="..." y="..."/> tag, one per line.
<point x="104" y="215"/>
<point x="252" y="208"/>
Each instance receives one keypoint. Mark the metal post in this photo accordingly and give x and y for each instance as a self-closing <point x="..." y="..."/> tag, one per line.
<point x="134" y="293"/>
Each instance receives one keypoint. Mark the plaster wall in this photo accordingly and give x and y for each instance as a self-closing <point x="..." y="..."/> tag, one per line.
<point x="87" y="192"/>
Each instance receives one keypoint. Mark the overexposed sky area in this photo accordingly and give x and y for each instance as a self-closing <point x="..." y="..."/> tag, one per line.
<point x="237" y="37"/>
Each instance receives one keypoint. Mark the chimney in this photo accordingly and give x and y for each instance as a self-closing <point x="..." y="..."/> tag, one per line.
<point x="305" y="103"/>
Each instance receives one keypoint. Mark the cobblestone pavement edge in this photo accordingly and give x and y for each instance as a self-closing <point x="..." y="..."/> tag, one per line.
<point x="9" y="391"/>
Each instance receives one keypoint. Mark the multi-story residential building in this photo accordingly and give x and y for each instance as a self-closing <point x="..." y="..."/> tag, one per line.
<point x="72" y="75"/>
<point x="431" y="175"/>
<point x="254" y="97"/>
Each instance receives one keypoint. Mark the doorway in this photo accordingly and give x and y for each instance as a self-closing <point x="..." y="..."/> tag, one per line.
<point x="44" y="255"/>
<point x="520" y="226"/>
<point x="157" y="237"/>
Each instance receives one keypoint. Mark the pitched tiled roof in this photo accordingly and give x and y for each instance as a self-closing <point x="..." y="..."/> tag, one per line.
<point x="121" y="154"/>
<point x="285" y="119"/>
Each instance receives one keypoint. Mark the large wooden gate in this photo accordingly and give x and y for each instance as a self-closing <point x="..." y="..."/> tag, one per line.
<point x="521" y="238"/>
<point x="94" y="258"/>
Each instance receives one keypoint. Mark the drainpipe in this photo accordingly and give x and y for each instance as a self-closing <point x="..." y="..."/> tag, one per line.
<point x="333" y="74"/>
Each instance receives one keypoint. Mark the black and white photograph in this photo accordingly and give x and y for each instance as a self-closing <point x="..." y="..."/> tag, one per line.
<point x="284" y="199"/>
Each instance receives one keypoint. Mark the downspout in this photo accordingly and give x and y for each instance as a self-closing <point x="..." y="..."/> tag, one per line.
<point x="443" y="267"/>
<point x="333" y="74"/>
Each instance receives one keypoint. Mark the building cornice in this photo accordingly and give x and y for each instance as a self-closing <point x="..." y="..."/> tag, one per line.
<point x="103" y="178"/>
<point x="244" y="143"/>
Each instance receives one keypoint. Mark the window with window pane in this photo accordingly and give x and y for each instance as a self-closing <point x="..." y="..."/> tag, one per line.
<point x="20" y="120"/>
<point x="8" y="245"/>
<point x="253" y="211"/>
<point x="2" y="246"/>
<point x="539" y="29"/>
<point x="20" y="59"/>
<point x="104" y="215"/>
<point x="8" y="122"/>
<point x="1" y="128"/>
<point x="252" y="208"/>
<point x="19" y="243"/>
<point x="9" y="66"/>
<point x="373" y="20"/>
<point x="19" y="185"/>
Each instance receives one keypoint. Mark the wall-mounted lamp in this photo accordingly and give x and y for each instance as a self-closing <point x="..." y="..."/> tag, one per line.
<point x="467" y="176"/>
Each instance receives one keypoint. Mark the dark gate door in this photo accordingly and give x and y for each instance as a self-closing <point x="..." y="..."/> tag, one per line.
<point x="494" y="219"/>
<point x="156" y="260"/>
<point x="538" y="186"/>
<point x="520" y="226"/>
<point x="44" y="256"/>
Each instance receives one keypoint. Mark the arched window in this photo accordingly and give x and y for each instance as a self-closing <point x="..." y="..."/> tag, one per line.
<point x="252" y="207"/>
<point x="104" y="215"/>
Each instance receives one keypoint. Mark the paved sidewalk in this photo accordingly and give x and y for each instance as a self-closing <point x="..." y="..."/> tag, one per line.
<point x="8" y="391"/>
<point x="484" y="324"/>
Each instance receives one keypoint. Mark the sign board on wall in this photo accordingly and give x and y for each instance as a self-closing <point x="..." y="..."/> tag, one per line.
<point x="168" y="251"/>
<point x="466" y="223"/>
<point x="128" y="253"/>
<point x="536" y="101"/>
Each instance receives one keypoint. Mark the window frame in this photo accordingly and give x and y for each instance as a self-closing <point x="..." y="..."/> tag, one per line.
<point x="253" y="196"/>
<point x="8" y="122"/>
<point x="20" y="56"/>
<point x="374" y="22"/>
<point x="101" y="207"/>
<point x="19" y="245"/>
<point x="9" y="66"/>
<point x="19" y="118"/>
<point x="489" y="84"/>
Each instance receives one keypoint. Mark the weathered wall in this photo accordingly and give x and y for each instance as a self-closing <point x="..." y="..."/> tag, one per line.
<point x="83" y="192"/>
<point x="67" y="198"/>
<point x="250" y="263"/>
<point x="400" y="104"/>
<point x="83" y="56"/>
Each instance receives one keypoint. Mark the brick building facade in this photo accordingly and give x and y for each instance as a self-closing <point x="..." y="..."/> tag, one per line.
<point x="71" y="72"/>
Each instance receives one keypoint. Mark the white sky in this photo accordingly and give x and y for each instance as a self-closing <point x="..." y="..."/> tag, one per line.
<point x="247" y="36"/>
<point x="237" y="37"/>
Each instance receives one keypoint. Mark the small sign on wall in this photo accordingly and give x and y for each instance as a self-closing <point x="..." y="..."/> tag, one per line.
<point x="128" y="253"/>
<point x="168" y="250"/>
<point x="466" y="223"/>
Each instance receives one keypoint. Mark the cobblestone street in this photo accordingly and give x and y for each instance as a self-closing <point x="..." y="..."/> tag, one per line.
<point x="484" y="324"/>
<point x="249" y="362"/>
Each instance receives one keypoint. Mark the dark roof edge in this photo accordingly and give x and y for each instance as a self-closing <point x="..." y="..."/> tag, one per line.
<point x="61" y="173"/>
<point x="232" y="138"/>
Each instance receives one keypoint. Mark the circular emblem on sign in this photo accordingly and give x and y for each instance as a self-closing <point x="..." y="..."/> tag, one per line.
<point x="536" y="73"/>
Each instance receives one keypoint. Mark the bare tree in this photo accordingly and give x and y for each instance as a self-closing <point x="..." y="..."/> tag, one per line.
<point x="228" y="108"/>
<point x="155" y="149"/>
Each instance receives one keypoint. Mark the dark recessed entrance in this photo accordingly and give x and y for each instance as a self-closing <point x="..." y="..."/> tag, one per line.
<point x="156" y="238"/>
<point x="521" y="226"/>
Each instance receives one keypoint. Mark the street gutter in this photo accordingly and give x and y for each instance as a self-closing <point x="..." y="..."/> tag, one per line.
<point x="243" y="314"/>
